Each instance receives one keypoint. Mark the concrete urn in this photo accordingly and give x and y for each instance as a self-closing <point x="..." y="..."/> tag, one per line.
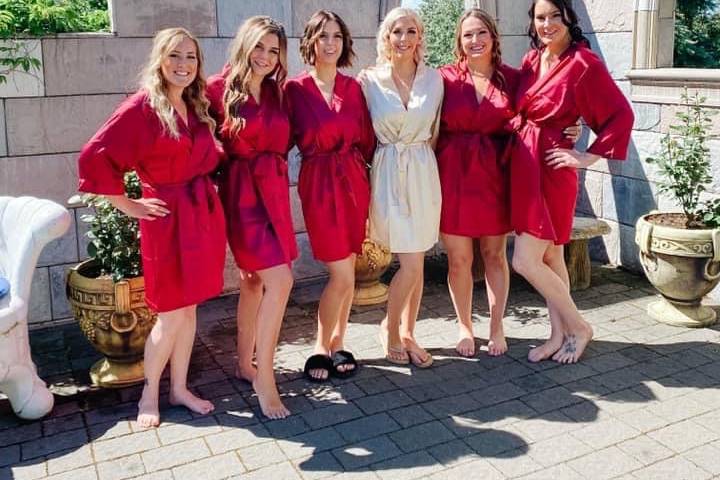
<point x="114" y="318"/>
<point x="369" y="267"/>
<point x="684" y="266"/>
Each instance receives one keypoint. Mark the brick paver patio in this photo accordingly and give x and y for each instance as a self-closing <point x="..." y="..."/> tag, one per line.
<point x="642" y="404"/>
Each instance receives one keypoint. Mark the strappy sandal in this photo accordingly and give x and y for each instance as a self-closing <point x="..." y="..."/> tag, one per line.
<point x="318" y="362"/>
<point x="390" y="350"/>
<point x="340" y="358"/>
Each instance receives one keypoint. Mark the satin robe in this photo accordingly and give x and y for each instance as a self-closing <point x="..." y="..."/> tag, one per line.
<point x="473" y="136"/>
<point x="405" y="205"/>
<point x="579" y="85"/>
<point x="183" y="253"/>
<point x="253" y="186"/>
<point x="336" y="141"/>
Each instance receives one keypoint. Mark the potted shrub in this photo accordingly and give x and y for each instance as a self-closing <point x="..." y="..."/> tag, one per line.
<point x="107" y="291"/>
<point x="680" y="252"/>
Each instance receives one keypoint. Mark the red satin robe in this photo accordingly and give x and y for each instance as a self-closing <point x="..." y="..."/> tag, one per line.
<point x="254" y="187"/>
<point x="579" y="85"/>
<point x="335" y="141"/>
<point x="183" y="253"/>
<point x="473" y="135"/>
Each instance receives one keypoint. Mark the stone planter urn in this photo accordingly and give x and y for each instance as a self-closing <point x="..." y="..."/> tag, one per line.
<point x="369" y="267"/>
<point x="114" y="318"/>
<point x="683" y="265"/>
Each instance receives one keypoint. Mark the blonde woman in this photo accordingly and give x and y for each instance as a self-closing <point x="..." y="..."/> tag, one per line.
<point x="164" y="133"/>
<point x="246" y="102"/>
<point x="404" y="98"/>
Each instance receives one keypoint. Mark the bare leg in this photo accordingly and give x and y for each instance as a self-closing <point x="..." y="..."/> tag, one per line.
<point x="278" y="282"/>
<point x="460" y="284"/>
<point x="158" y="347"/>
<point x="332" y="302"/>
<point x="337" y="341"/>
<point x="528" y="262"/>
<point x="413" y="263"/>
<point x="180" y="362"/>
<point x="497" y="281"/>
<point x="251" y="294"/>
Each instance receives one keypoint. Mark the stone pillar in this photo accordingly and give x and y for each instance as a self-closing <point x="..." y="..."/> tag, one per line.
<point x="654" y="33"/>
<point x="489" y="6"/>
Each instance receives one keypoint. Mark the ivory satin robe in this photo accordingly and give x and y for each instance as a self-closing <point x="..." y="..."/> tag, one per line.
<point x="405" y="185"/>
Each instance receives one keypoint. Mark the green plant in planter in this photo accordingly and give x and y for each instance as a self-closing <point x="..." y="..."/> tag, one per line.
<point x="114" y="237"/>
<point x="684" y="164"/>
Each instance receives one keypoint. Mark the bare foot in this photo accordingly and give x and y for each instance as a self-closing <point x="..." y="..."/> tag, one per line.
<point x="574" y="345"/>
<point x="418" y="355"/>
<point x="246" y="372"/>
<point x="393" y="353"/>
<point x="269" y="399"/>
<point x="547" y="349"/>
<point x="497" y="345"/>
<point x="148" y="411"/>
<point x="187" y="399"/>
<point x="335" y="345"/>
<point x="465" y="346"/>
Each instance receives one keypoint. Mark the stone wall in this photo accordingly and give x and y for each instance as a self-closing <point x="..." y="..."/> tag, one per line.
<point x="46" y="117"/>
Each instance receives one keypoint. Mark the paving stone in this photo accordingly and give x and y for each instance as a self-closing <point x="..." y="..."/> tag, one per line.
<point x="545" y="426"/>
<point x="317" y="466"/>
<point x="452" y="453"/>
<point x="608" y="463"/>
<point x="410" y="415"/>
<point x="261" y="455"/>
<point x="421" y="436"/>
<point x="498" y="394"/>
<point x="706" y="457"/>
<point x="212" y="468"/>
<point x="605" y="433"/>
<point x="161" y="475"/>
<point x="20" y="434"/>
<point x="69" y="460"/>
<point x="125" y="445"/>
<point x="367" y="427"/>
<point x="9" y="455"/>
<point x="515" y="463"/>
<point x="643" y="420"/>
<point x="675" y="467"/>
<point x="375" y="385"/>
<point x="280" y="471"/>
<point x="383" y="401"/>
<point x="367" y="452"/>
<point x="62" y="424"/>
<point x="646" y="450"/>
<point x="408" y="466"/>
<point x="311" y="442"/>
<point x="24" y="471"/>
<point x="199" y="427"/>
<point x="683" y="436"/>
<point x="491" y="443"/>
<point x="53" y="443"/>
<point x="475" y="469"/>
<point x="122" y="468"/>
<point x="237" y="438"/>
<point x="559" y="449"/>
<point x="86" y="473"/>
<point x="175" y="454"/>
<point x="551" y="399"/>
<point x="287" y="427"/>
<point x="108" y="430"/>
<point x="331" y="415"/>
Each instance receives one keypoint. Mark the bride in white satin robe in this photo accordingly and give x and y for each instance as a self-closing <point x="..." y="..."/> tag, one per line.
<point x="404" y="98"/>
<point x="405" y="205"/>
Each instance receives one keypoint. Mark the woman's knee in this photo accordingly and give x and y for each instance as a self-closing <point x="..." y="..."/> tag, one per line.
<point x="251" y="285"/>
<point x="459" y="262"/>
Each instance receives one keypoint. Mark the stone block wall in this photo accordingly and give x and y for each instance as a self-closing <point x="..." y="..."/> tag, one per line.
<point x="47" y="116"/>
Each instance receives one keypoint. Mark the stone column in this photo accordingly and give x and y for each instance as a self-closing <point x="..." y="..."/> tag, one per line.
<point x="489" y="6"/>
<point x="654" y="33"/>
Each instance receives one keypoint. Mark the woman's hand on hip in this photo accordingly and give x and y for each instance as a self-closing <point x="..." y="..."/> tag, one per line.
<point x="563" y="158"/>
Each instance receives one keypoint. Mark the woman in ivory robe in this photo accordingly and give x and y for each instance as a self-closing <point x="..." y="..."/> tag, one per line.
<point x="404" y="97"/>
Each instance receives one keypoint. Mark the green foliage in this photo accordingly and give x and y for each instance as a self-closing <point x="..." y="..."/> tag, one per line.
<point x="697" y="34"/>
<point x="684" y="164"/>
<point x="114" y="237"/>
<point x="22" y="18"/>
<point x="440" y="18"/>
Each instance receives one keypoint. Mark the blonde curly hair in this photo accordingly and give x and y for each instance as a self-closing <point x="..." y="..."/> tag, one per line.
<point x="384" y="50"/>
<point x="154" y="83"/>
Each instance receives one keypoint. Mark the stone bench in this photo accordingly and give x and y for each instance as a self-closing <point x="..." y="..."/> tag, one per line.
<point x="577" y="253"/>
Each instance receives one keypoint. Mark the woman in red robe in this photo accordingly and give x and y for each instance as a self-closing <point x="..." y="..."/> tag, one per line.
<point x="164" y="133"/>
<point x="332" y="129"/>
<point x="561" y="80"/>
<point x="245" y="100"/>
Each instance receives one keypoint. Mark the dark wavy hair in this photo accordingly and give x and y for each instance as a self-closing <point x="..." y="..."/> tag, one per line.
<point x="313" y="29"/>
<point x="569" y="18"/>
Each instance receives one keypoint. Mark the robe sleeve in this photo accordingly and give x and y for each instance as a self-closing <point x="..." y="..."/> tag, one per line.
<point x="115" y="149"/>
<point x="367" y="141"/>
<point x="438" y="114"/>
<point x="606" y="111"/>
<point x="288" y="107"/>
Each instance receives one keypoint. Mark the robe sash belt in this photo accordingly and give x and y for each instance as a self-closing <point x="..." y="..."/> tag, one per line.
<point x="399" y="181"/>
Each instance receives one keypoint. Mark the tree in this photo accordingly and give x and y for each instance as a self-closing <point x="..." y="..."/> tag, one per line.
<point x="697" y="34"/>
<point x="440" y="18"/>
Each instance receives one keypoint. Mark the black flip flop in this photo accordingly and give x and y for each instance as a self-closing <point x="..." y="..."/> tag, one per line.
<point x="343" y="357"/>
<point x="318" y="362"/>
